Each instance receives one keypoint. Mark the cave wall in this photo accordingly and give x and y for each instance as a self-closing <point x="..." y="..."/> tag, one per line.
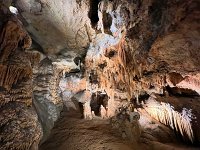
<point x="46" y="95"/>
<point x="58" y="26"/>
<point x="49" y="91"/>
<point x="19" y="127"/>
<point x="151" y="46"/>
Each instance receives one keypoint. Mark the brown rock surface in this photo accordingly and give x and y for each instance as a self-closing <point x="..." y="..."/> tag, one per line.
<point x="19" y="125"/>
<point x="58" y="26"/>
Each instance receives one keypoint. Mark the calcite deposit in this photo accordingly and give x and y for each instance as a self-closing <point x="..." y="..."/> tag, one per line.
<point x="149" y="53"/>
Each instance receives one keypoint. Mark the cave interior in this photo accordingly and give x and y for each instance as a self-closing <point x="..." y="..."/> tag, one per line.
<point x="99" y="75"/>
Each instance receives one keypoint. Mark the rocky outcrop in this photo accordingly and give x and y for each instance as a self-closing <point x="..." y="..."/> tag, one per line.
<point x="73" y="88"/>
<point x="46" y="97"/>
<point x="50" y="87"/>
<point x="19" y="127"/>
<point x="145" y="52"/>
<point x="58" y="26"/>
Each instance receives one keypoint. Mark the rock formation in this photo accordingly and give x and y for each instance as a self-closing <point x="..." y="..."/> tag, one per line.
<point x="19" y="125"/>
<point x="65" y="22"/>
<point x="46" y="97"/>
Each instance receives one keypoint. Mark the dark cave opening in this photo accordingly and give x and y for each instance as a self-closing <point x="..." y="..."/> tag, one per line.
<point x="93" y="12"/>
<point x="155" y="12"/>
<point x="93" y="77"/>
<point x="180" y="92"/>
<point x="107" y="22"/>
<point x="96" y="102"/>
<point x="141" y="98"/>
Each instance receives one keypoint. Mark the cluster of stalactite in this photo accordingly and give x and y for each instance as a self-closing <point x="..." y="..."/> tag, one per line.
<point x="19" y="124"/>
<point x="7" y="45"/>
<point x="110" y="74"/>
<point x="165" y="113"/>
<point x="11" y="74"/>
<point x="112" y="71"/>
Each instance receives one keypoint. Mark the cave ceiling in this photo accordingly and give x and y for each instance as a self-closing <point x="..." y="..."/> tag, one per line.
<point x="57" y="26"/>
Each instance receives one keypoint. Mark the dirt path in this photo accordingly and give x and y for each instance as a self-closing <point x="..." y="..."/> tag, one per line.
<point x="73" y="133"/>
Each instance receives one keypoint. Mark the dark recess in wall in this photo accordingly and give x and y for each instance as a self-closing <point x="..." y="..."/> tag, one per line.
<point x="107" y="22"/>
<point x="97" y="100"/>
<point x="93" y="12"/>
<point x="156" y="12"/>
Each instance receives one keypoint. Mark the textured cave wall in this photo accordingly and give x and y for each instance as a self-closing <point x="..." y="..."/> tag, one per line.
<point x="151" y="47"/>
<point x="58" y="26"/>
<point x="19" y="127"/>
<point x="46" y="97"/>
<point x="48" y="94"/>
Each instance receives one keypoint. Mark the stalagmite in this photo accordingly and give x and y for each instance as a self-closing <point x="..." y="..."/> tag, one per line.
<point x="87" y="111"/>
<point x="103" y="112"/>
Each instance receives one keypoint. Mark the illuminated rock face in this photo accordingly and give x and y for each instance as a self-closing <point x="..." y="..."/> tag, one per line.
<point x="149" y="50"/>
<point x="58" y="26"/>
<point x="46" y="95"/>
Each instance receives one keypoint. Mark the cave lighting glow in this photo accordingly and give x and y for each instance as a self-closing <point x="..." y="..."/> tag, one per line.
<point x="13" y="10"/>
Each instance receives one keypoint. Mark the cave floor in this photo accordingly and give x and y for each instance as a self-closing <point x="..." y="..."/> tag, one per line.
<point x="73" y="133"/>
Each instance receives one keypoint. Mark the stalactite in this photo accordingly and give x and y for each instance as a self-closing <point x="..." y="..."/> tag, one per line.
<point x="11" y="74"/>
<point x="122" y="52"/>
<point x="9" y="40"/>
<point x="163" y="112"/>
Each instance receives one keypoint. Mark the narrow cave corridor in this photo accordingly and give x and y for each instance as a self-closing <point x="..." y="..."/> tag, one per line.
<point x="99" y="75"/>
